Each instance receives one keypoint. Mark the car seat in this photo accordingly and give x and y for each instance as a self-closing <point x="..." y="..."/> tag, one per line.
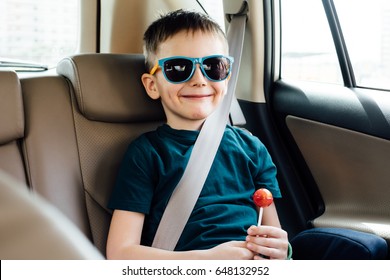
<point x="79" y="125"/>
<point x="11" y="125"/>
<point x="33" y="229"/>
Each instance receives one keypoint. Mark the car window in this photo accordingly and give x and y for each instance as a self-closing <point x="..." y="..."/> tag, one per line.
<point x="366" y="29"/>
<point x="308" y="52"/>
<point x="214" y="9"/>
<point x="41" y="32"/>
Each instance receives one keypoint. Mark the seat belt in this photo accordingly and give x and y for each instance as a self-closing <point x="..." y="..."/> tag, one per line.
<point x="187" y="191"/>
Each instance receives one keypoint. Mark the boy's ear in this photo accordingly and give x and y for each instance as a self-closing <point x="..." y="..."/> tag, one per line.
<point x="149" y="82"/>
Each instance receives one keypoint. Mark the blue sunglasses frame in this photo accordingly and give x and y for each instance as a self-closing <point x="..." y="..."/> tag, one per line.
<point x="194" y="60"/>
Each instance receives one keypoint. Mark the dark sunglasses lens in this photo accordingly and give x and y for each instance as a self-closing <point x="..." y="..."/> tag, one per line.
<point x="216" y="68"/>
<point x="178" y="69"/>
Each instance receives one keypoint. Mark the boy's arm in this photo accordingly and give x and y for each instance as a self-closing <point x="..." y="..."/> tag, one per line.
<point x="270" y="216"/>
<point x="125" y="235"/>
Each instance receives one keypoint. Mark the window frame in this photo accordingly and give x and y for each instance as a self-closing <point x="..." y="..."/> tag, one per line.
<point x="339" y="42"/>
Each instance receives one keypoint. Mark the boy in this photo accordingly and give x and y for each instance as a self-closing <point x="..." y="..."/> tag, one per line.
<point x="187" y="54"/>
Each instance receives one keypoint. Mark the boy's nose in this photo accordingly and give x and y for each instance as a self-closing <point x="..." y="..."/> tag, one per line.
<point x="198" y="79"/>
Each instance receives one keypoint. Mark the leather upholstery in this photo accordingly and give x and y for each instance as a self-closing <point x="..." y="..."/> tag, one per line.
<point x="78" y="128"/>
<point x="36" y="230"/>
<point x="11" y="107"/>
<point x="11" y="125"/>
<point x="114" y="92"/>
<point x="50" y="147"/>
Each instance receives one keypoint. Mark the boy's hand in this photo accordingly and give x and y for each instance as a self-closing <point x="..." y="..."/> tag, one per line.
<point x="267" y="242"/>
<point x="232" y="250"/>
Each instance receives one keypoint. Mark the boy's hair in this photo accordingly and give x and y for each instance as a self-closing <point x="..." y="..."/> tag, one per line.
<point x="172" y="23"/>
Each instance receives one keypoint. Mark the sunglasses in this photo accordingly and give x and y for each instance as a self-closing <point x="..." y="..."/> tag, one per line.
<point x="180" y="69"/>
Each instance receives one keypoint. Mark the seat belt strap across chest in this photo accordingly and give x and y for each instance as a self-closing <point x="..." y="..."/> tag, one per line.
<point x="186" y="193"/>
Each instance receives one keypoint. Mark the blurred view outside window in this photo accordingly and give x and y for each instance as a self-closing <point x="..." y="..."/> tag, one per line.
<point x="366" y="30"/>
<point x="308" y="51"/>
<point x="40" y="31"/>
<point x="214" y="9"/>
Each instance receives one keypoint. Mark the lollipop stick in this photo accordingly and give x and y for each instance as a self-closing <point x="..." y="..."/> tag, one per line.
<point x="260" y="216"/>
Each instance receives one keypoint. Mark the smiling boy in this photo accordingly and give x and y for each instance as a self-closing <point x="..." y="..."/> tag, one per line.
<point x="187" y="54"/>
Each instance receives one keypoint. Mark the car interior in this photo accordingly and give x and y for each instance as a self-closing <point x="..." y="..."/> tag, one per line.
<point x="64" y="131"/>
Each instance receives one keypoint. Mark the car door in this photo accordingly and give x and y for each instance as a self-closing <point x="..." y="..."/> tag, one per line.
<point x="324" y="111"/>
<point x="336" y="127"/>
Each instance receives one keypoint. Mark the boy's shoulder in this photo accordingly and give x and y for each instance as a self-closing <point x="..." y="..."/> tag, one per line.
<point x="240" y="132"/>
<point x="155" y="137"/>
<point x="143" y="140"/>
<point x="243" y="137"/>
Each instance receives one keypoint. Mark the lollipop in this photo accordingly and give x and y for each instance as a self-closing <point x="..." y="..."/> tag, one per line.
<point x="262" y="198"/>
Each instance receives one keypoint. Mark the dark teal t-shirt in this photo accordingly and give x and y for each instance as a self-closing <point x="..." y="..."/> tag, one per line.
<point x="154" y="164"/>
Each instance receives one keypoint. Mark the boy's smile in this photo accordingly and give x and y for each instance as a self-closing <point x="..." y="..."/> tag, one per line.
<point x="196" y="92"/>
<point x="188" y="104"/>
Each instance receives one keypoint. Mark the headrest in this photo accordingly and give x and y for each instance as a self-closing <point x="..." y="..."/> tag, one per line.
<point x="11" y="107"/>
<point x="108" y="87"/>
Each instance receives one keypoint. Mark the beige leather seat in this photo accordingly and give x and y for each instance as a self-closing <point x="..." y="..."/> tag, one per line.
<point x="11" y="126"/>
<point x="78" y="129"/>
<point x="30" y="227"/>
<point x="50" y="147"/>
<point x="33" y="229"/>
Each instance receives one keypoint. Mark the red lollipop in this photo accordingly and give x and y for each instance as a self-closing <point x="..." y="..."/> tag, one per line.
<point x="262" y="198"/>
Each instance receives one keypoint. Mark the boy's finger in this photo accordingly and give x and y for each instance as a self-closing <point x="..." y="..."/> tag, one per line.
<point x="266" y="231"/>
